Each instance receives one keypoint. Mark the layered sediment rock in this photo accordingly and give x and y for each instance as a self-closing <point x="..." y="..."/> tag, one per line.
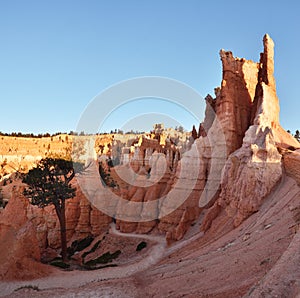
<point x="234" y="101"/>
<point x="19" y="244"/>
<point x="245" y="113"/>
<point x="252" y="171"/>
<point x="291" y="162"/>
<point x="22" y="153"/>
<point x="233" y="165"/>
<point x="82" y="219"/>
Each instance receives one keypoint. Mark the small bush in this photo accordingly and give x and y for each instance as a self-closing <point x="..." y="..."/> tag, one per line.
<point x="93" y="249"/>
<point x="79" y="245"/>
<point x="60" y="264"/>
<point x="100" y="267"/>
<point x="141" y="246"/>
<point x="35" y="288"/>
<point x="104" y="259"/>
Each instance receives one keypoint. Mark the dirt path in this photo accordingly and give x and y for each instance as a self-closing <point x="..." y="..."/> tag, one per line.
<point x="75" y="279"/>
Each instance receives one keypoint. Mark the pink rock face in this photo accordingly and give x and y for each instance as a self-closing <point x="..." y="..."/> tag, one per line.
<point x="291" y="162"/>
<point x="82" y="219"/>
<point x="19" y="246"/>
<point x="249" y="175"/>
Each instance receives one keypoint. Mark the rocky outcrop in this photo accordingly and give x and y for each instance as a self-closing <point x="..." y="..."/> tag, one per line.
<point x="291" y="162"/>
<point x="252" y="171"/>
<point x="228" y="118"/>
<point x="20" y="253"/>
<point x="180" y="207"/>
<point x="210" y="114"/>
<point x="164" y="181"/>
<point x="250" y="174"/>
<point x="234" y="101"/>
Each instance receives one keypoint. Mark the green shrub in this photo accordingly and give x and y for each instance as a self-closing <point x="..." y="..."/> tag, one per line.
<point x="35" y="288"/>
<point x="141" y="246"/>
<point x="100" y="267"/>
<point x="93" y="249"/>
<point x="60" y="264"/>
<point x="79" y="245"/>
<point x="103" y="259"/>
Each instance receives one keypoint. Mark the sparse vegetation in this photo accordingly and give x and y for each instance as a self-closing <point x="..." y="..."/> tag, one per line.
<point x="100" y="267"/>
<point x="296" y="135"/>
<point x="103" y="259"/>
<point x="35" y="288"/>
<point x="79" y="245"/>
<point x="141" y="246"/>
<point x="93" y="249"/>
<point x="30" y="135"/>
<point x="60" y="264"/>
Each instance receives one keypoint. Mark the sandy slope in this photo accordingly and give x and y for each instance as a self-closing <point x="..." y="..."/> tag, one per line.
<point x="241" y="259"/>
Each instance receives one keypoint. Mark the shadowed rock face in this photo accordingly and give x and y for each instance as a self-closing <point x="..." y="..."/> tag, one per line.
<point x="235" y="99"/>
<point x="230" y="168"/>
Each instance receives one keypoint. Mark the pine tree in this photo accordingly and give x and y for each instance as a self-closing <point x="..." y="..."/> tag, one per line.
<point x="49" y="183"/>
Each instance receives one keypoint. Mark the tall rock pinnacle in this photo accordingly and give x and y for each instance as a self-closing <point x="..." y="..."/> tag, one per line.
<point x="267" y="61"/>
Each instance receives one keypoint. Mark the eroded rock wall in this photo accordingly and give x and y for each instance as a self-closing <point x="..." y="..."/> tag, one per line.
<point x="253" y="170"/>
<point x="231" y="167"/>
<point x="234" y="102"/>
<point x="20" y="253"/>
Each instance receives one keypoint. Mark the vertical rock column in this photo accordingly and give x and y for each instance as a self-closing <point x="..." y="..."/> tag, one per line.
<point x="234" y="102"/>
<point x="252" y="171"/>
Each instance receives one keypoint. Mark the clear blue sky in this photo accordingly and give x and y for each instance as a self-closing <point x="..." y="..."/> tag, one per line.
<point x="55" y="56"/>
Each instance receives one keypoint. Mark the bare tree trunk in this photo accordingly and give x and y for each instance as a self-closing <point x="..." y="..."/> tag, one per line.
<point x="63" y="233"/>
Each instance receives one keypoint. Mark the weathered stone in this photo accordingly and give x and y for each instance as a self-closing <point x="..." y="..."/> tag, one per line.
<point x="252" y="171"/>
<point x="20" y="251"/>
<point x="230" y="168"/>
<point x="291" y="162"/>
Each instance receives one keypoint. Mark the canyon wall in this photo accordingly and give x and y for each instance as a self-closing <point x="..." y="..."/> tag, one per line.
<point x="230" y="168"/>
<point x="21" y="153"/>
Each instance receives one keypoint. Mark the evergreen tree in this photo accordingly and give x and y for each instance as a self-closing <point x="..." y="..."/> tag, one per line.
<point x="49" y="183"/>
